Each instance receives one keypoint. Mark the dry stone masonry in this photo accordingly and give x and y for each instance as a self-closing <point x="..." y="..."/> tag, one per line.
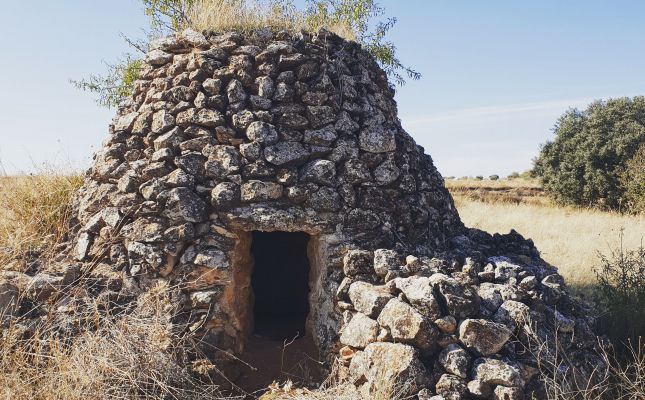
<point x="226" y="134"/>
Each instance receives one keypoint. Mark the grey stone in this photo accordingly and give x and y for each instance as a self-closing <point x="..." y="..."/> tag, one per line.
<point x="419" y="292"/>
<point x="461" y="301"/>
<point x="322" y="172"/>
<point x="170" y="139"/>
<point x="243" y="119"/>
<point x="324" y="199"/>
<point x="125" y="122"/>
<point x="360" y="331"/>
<point x="193" y="38"/>
<point x="355" y="171"/>
<point x="455" y="360"/>
<point x="451" y="387"/>
<point x="385" y="260"/>
<point x="386" y="173"/>
<point x="211" y="258"/>
<point x="253" y="191"/>
<point x="162" y="121"/>
<point x="227" y="159"/>
<point x="262" y="132"/>
<point x="158" y="57"/>
<point x="210" y="118"/>
<point x="447" y="324"/>
<point x="377" y="139"/>
<point x="368" y="299"/>
<point x="513" y="314"/>
<point x="484" y="337"/>
<point x="286" y="153"/>
<point x="266" y="87"/>
<point x="479" y="389"/>
<point x="320" y="116"/>
<point x="407" y="325"/>
<point x="321" y="137"/>
<point x="357" y="262"/>
<point x="507" y="393"/>
<point x="184" y="205"/>
<point x="212" y="86"/>
<point x="204" y="298"/>
<point x="490" y="294"/>
<point x="225" y="195"/>
<point x="82" y="246"/>
<point x="235" y="91"/>
<point x="389" y="362"/>
<point x="497" y="372"/>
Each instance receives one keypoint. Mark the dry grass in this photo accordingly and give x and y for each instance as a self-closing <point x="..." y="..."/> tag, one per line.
<point x="34" y="212"/>
<point x="604" y="377"/>
<point x="248" y="15"/>
<point x="567" y="238"/>
<point x="384" y="386"/>
<point x="134" y="355"/>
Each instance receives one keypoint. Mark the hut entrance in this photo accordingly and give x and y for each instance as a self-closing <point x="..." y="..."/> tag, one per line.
<point x="281" y="346"/>
<point x="280" y="284"/>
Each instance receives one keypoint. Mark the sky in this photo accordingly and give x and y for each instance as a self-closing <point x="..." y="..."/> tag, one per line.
<point x="496" y="75"/>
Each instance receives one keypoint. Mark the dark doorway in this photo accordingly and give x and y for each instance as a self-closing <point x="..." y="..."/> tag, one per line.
<point x="280" y="348"/>
<point x="280" y="284"/>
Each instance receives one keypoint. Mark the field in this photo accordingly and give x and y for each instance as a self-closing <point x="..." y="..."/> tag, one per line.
<point x="568" y="238"/>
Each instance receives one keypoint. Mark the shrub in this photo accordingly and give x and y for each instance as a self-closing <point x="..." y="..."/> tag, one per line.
<point x="513" y="175"/>
<point x="633" y="180"/>
<point x="582" y="165"/>
<point x="493" y="177"/>
<point x="479" y="178"/>
<point x="621" y="294"/>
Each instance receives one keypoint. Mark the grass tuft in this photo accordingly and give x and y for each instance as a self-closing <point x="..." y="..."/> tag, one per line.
<point x="249" y="15"/>
<point x="34" y="213"/>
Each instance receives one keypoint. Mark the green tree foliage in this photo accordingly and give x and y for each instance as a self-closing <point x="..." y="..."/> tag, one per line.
<point x="114" y="86"/>
<point x="357" y="15"/>
<point x="584" y="163"/>
<point x="361" y="21"/>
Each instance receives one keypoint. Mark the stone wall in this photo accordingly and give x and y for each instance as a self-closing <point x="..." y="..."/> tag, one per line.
<point x="229" y="134"/>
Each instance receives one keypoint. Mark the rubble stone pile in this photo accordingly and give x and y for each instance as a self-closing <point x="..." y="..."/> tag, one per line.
<point x="226" y="134"/>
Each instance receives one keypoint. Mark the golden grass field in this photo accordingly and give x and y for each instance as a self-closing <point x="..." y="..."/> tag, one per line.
<point x="568" y="238"/>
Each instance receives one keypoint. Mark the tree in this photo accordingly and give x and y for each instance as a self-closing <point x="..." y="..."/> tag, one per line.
<point x="590" y="151"/>
<point x="358" y="20"/>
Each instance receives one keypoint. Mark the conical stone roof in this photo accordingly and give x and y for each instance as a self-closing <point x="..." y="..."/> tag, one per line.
<point x="226" y="134"/>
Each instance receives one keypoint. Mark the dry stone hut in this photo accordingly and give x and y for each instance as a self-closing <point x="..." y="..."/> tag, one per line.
<point x="268" y="177"/>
